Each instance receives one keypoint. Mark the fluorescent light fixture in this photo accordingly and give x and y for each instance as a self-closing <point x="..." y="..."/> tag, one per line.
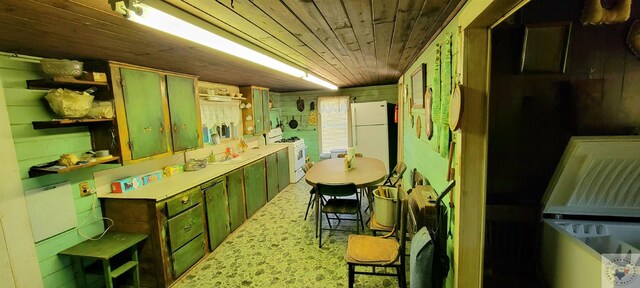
<point x="314" y="79"/>
<point x="164" y="22"/>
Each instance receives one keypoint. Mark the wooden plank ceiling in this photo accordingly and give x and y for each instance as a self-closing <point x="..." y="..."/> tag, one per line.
<point x="348" y="42"/>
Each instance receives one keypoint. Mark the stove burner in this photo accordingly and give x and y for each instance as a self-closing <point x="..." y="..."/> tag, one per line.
<point x="288" y="140"/>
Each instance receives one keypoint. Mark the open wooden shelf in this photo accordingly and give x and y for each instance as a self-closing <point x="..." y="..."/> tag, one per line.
<point x="34" y="172"/>
<point x="58" y="82"/>
<point x="219" y="98"/>
<point x="60" y="123"/>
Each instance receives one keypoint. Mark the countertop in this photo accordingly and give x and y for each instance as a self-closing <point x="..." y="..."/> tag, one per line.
<point x="173" y="185"/>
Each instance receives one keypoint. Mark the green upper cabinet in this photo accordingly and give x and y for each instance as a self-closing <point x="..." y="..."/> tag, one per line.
<point x="217" y="218"/>
<point x="255" y="187"/>
<point x="257" y="111"/>
<point x="185" y="122"/>
<point x="265" y="110"/>
<point x="157" y="112"/>
<point x="145" y="118"/>
<point x="236" y="198"/>
<point x="256" y="118"/>
<point x="283" y="168"/>
<point x="272" y="176"/>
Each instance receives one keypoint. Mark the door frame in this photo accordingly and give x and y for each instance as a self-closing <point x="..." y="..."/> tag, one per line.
<point x="475" y="21"/>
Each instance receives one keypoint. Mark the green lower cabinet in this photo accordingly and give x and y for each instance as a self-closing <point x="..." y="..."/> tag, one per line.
<point x="283" y="168"/>
<point x="235" y="194"/>
<point x="187" y="255"/>
<point x="255" y="187"/>
<point x="272" y="176"/>
<point x="217" y="219"/>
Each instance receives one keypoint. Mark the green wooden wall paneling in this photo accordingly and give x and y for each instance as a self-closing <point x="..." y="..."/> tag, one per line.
<point x="37" y="146"/>
<point x="419" y="153"/>
<point x="25" y="132"/>
<point x="285" y="103"/>
<point x="52" y="147"/>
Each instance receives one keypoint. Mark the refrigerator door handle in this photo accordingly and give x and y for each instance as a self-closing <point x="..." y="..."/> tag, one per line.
<point x="354" y="134"/>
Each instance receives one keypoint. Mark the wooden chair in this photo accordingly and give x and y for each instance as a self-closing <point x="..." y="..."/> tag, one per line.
<point x="396" y="175"/>
<point x="339" y="205"/>
<point x="383" y="251"/>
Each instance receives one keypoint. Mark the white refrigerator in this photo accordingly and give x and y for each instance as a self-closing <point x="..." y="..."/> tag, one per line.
<point x="370" y="131"/>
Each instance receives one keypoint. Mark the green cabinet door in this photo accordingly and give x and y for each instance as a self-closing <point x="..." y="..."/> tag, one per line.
<point x="217" y="219"/>
<point x="145" y="115"/>
<point x="265" y="111"/>
<point x="258" y="115"/>
<point x="236" y="203"/>
<point x="182" y="109"/>
<point x="283" y="168"/>
<point x="272" y="176"/>
<point x="254" y="187"/>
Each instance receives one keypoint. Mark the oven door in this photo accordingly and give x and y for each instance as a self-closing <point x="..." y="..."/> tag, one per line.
<point x="300" y="155"/>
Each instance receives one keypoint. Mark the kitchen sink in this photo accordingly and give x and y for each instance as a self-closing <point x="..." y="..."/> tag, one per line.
<point x="239" y="159"/>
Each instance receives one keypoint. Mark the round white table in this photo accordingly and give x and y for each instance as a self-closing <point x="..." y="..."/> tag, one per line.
<point x="365" y="172"/>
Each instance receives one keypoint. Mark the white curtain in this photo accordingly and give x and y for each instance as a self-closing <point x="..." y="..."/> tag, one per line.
<point x="334" y="122"/>
<point x="218" y="113"/>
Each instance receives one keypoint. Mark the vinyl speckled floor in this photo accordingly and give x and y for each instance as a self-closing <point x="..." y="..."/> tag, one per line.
<point x="277" y="248"/>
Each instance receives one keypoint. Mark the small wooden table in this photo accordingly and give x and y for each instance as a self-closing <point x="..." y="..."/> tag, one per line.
<point x="366" y="172"/>
<point x="112" y="244"/>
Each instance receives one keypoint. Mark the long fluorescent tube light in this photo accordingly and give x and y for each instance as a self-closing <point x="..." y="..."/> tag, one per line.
<point x="164" y="22"/>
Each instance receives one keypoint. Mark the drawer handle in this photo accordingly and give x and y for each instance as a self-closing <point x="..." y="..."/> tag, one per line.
<point x="185" y="200"/>
<point x="187" y="228"/>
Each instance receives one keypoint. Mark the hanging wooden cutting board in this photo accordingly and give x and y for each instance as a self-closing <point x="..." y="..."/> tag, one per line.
<point x="418" y="126"/>
<point x="428" y="123"/>
<point x="455" y="108"/>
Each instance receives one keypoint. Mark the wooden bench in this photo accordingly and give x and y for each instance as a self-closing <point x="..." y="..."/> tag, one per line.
<point x="112" y="244"/>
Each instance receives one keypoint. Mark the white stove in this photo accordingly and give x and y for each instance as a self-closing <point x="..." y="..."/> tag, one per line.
<point x="297" y="153"/>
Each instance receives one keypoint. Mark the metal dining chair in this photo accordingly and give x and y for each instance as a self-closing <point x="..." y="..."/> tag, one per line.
<point x="338" y="204"/>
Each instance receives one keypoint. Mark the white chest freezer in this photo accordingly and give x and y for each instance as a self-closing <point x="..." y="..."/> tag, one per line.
<point x="597" y="177"/>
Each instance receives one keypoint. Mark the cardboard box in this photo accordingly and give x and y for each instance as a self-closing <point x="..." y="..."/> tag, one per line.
<point x="126" y="184"/>
<point x="152" y="177"/>
<point x="94" y="76"/>
<point x="173" y="170"/>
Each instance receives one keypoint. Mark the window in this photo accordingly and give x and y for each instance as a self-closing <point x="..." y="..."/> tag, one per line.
<point x="334" y="122"/>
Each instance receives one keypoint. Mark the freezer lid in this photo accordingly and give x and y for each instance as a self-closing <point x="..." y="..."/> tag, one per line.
<point x="596" y="176"/>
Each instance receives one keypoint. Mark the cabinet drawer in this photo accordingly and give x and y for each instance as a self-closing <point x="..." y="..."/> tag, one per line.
<point x="183" y="201"/>
<point x="185" y="227"/>
<point x="188" y="255"/>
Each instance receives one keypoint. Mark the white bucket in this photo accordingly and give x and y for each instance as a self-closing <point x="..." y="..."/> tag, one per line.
<point x="384" y="207"/>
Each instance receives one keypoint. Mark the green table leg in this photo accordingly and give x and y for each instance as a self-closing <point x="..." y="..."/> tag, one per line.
<point x="79" y="271"/>
<point x="136" y="269"/>
<point x="107" y="273"/>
